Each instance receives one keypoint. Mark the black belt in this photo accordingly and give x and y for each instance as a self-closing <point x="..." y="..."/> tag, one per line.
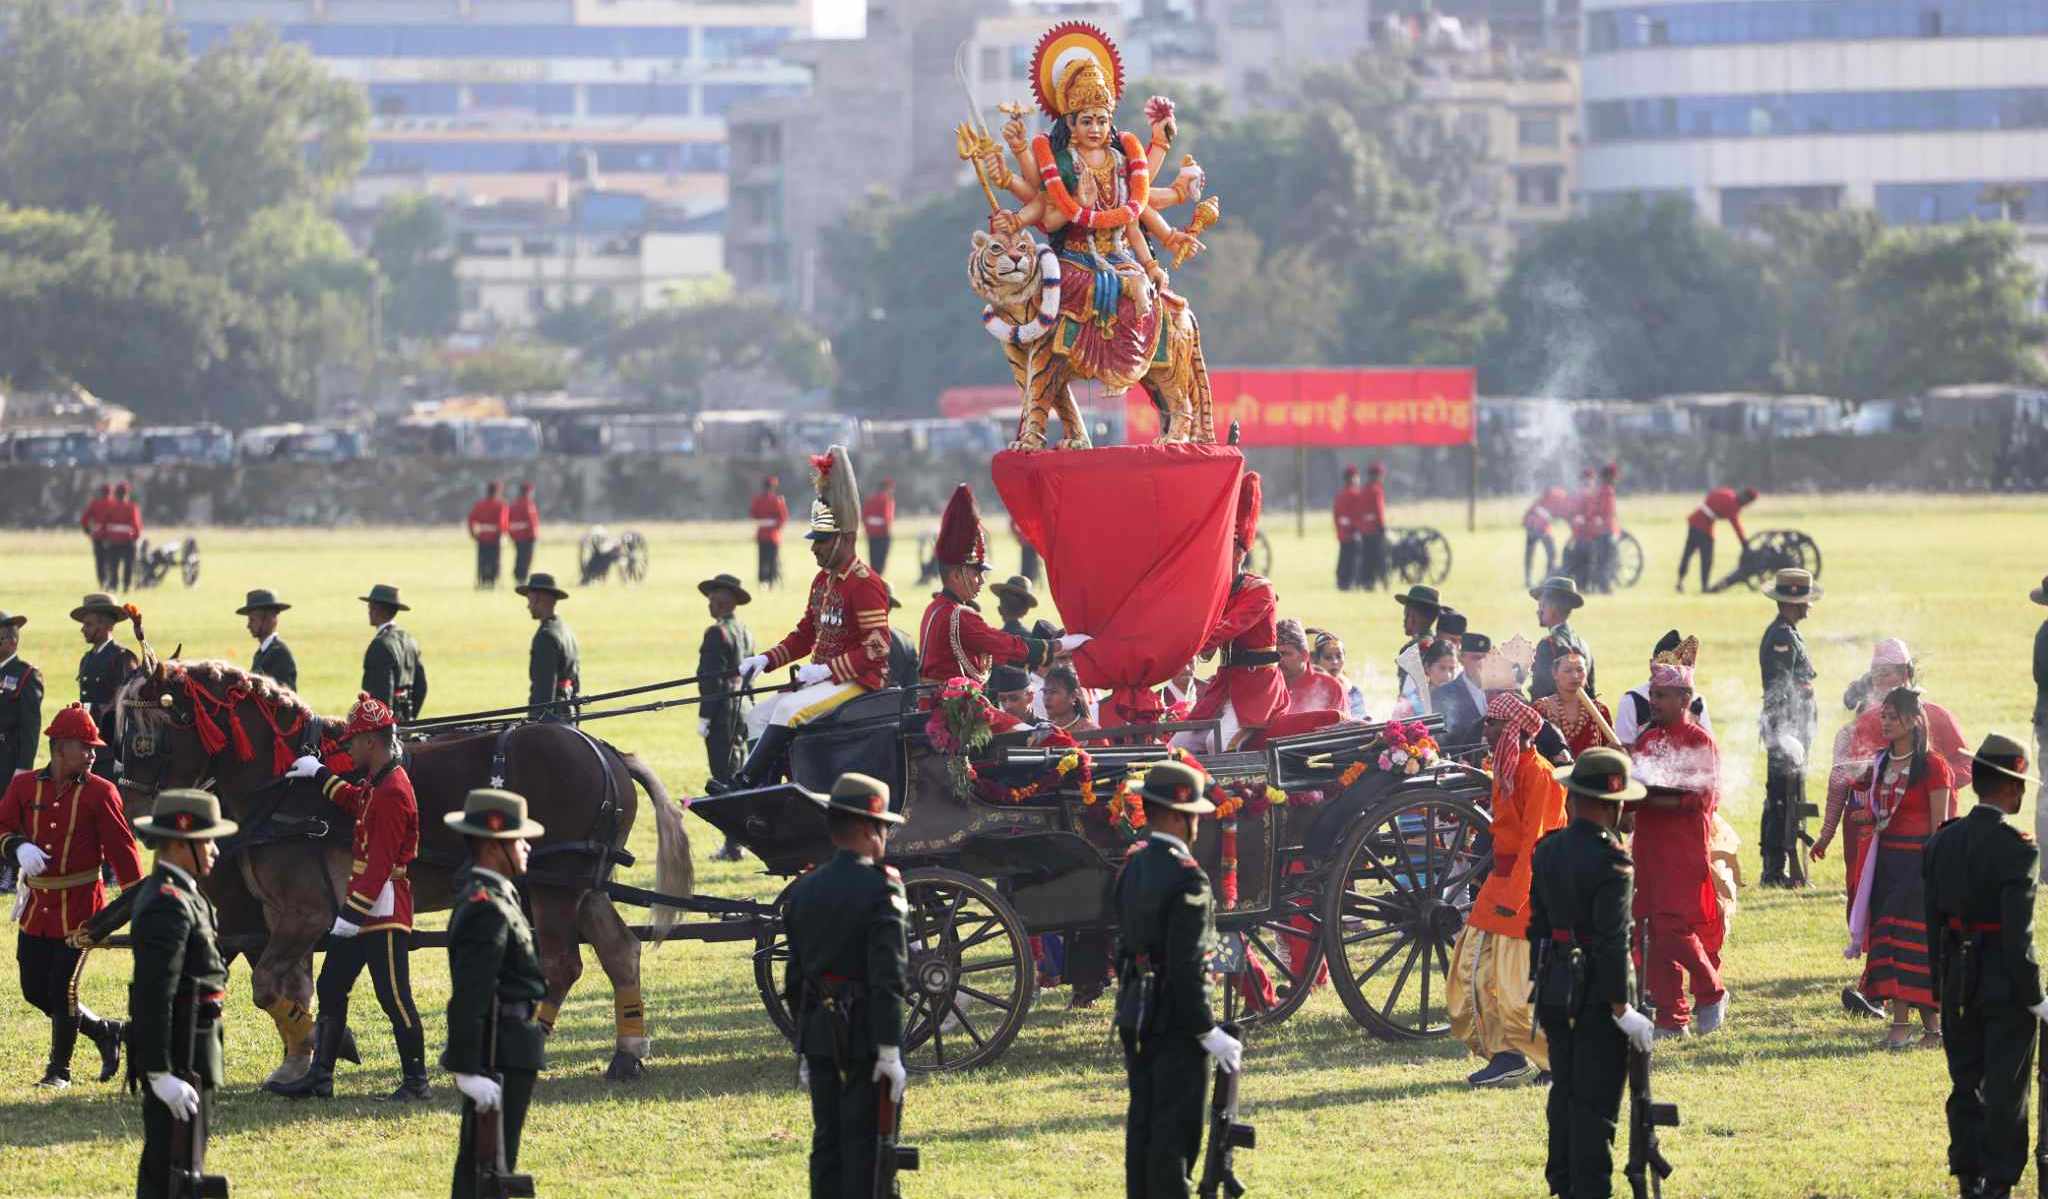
<point x="1252" y="657"/>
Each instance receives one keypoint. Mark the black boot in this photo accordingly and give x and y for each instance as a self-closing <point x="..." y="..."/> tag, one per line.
<point x="764" y="764"/>
<point x="729" y="852"/>
<point x="63" y="1037"/>
<point x="318" y="1080"/>
<point x="412" y="1062"/>
<point x="106" y="1037"/>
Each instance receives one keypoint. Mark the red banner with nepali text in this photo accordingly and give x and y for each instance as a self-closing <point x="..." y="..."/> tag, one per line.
<point x="1330" y="406"/>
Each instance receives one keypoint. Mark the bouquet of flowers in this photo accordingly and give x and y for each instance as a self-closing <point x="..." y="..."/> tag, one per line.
<point x="959" y="727"/>
<point x="1406" y="748"/>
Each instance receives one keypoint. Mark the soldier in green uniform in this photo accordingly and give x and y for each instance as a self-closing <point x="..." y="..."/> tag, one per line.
<point x="1166" y="918"/>
<point x="393" y="671"/>
<point x="554" y="671"/>
<point x="273" y="658"/>
<point x="174" y="1001"/>
<point x="721" y="713"/>
<point x="848" y="967"/>
<point x="101" y="671"/>
<point x="1786" y="724"/>
<point x="1980" y="877"/>
<point x="21" y="718"/>
<point x="1556" y="599"/>
<point x="1581" y="884"/>
<point x="496" y="1047"/>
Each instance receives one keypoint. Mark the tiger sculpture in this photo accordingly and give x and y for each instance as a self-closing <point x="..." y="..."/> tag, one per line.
<point x="1008" y="272"/>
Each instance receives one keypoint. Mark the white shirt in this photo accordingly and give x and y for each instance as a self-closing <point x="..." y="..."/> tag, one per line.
<point x="1171" y="840"/>
<point x="265" y="643"/>
<point x="1627" y="728"/>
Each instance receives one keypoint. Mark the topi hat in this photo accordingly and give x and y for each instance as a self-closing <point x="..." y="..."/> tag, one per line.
<point x="1017" y="587"/>
<point x="542" y="582"/>
<point x="1004" y="679"/>
<point x="367" y="716"/>
<point x="1451" y="623"/>
<point x="728" y="583"/>
<point x="185" y="814"/>
<point x="495" y="815"/>
<point x="386" y="595"/>
<point x="962" y="542"/>
<point x="1178" y="786"/>
<point x="74" y="723"/>
<point x="1794" y="586"/>
<point x="1475" y="643"/>
<point x="1601" y="773"/>
<point x="862" y="795"/>
<point x="1562" y="587"/>
<point x="2003" y="755"/>
<point x="261" y="599"/>
<point x="98" y="603"/>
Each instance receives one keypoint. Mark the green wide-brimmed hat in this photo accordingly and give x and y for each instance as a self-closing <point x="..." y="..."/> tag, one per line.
<point x="862" y="795"/>
<point x="1422" y="596"/>
<point x="387" y="595"/>
<point x="725" y="583"/>
<point x="98" y="603"/>
<point x="1602" y="774"/>
<point x="542" y="582"/>
<point x="261" y="599"/>
<point x="185" y="814"/>
<point x="10" y="620"/>
<point x="2003" y="755"/>
<point x="1019" y="588"/>
<point x="1178" y="786"/>
<point x="494" y="814"/>
<point x="1793" y="586"/>
<point x="1560" y="587"/>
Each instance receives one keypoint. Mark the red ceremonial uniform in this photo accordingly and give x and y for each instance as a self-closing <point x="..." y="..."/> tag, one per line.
<point x="487" y="520"/>
<point x="1347" y="509"/>
<point x="1554" y="504"/>
<point x="122" y="521"/>
<point x="953" y="641"/>
<point x="1721" y="502"/>
<point x="94" y="519"/>
<point x="522" y="519"/>
<point x="1579" y="511"/>
<point x="770" y="513"/>
<point x="387" y="840"/>
<point x="1674" y="879"/>
<point x="78" y="826"/>
<point x="845" y="626"/>
<point x="1372" y="509"/>
<point x="878" y="514"/>
<point x="1601" y="520"/>
<point x="1250" y="679"/>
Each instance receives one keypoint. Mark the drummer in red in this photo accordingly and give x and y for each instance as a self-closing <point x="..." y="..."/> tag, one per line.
<point x="954" y="641"/>
<point x="60" y="825"/>
<point x="1679" y="762"/>
<point x="1722" y="503"/>
<point x="1248" y="692"/>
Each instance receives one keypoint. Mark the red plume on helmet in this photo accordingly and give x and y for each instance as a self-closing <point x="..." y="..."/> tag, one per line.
<point x="962" y="542"/>
<point x="1250" y="499"/>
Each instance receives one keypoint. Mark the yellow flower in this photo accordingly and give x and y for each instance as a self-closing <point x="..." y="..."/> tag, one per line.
<point x="1067" y="764"/>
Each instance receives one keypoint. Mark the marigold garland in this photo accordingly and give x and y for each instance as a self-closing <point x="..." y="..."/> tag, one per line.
<point x="1137" y="171"/>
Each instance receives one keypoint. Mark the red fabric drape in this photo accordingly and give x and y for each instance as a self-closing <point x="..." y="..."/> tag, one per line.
<point x="1136" y="543"/>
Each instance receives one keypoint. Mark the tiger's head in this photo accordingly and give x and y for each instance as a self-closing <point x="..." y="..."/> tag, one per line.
<point x="1002" y="269"/>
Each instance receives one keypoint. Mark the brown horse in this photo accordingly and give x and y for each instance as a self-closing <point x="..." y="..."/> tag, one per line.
<point x="215" y="725"/>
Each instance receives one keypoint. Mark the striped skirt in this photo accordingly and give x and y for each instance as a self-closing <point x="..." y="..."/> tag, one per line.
<point x="1898" y="964"/>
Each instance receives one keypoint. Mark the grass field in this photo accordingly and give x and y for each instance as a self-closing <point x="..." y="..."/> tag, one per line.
<point x="1792" y="1101"/>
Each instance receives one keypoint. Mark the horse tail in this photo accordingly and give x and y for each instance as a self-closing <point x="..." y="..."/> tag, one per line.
<point x="674" y="872"/>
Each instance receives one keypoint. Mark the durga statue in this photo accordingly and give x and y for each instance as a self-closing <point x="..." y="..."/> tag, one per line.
<point x="1094" y="303"/>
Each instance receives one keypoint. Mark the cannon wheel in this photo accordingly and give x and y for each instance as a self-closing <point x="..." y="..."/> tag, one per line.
<point x="586" y="548"/>
<point x="971" y="974"/>
<point x="1397" y="898"/>
<point x="771" y="956"/>
<point x="1272" y="942"/>
<point x="1430" y="558"/>
<point x="188" y="561"/>
<point x="1628" y="560"/>
<point x="633" y="557"/>
<point x="1808" y="550"/>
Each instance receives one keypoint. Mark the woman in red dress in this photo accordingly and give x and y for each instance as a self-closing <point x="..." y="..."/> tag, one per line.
<point x="1308" y="689"/>
<point x="1908" y="793"/>
<point x="1585" y="722"/>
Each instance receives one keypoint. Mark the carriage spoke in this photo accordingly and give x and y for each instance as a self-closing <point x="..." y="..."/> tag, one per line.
<point x="989" y="929"/>
<point x="1384" y="930"/>
<point x="1387" y="954"/>
<point x="1376" y="863"/>
<point x="1286" y="970"/>
<point x="961" y="1015"/>
<point x="985" y="997"/>
<point x="1401" y="979"/>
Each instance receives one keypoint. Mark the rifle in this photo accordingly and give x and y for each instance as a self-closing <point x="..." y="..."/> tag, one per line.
<point x="1226" y="1135"/>
<point x="189" y="1179"/>
<point x="890" y="1155"/>
<point x="1647" y="1167"/>
<point x="494" y="1178"/>
<point x="1797" y="839"/>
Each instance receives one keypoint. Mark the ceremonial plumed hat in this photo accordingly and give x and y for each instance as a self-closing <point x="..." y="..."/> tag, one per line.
<point x="2003" y="755"/>
<point x="862" y="795"/>
<point x="1178" y="786"/>
<point x="962" y="541"/>
<point x="1250" y="501"/>
<point x="1673" y="667"/>
<point x="1602" y="773"/>
<point x="495" y="815"/>
<point x="837" y="508"/>
<point x="185" y="814"/>
<point x="728" y="583"/>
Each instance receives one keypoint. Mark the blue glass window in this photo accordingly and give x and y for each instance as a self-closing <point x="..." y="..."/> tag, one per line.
<point x="1662" y="118"/>
<point x="1941" y="203"/>
<point x="494" y="41"/>
<point x="718" y="97"/>
<point x="491" y="157"/>
<point x="639" y="99"/>
<point x="414" y="99"/>
<point x="1734" y="22"/>
<point x="725" y="43"/>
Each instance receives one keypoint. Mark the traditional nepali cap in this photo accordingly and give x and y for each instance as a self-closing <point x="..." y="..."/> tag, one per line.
<point x="1601" y="773"/>
<point x="837" y="508"/>
<point x="1004" y="679"/>
<point x="1250" y="501"/>
<point x="1562" y="588"/>
<point x="726" y="583"/>
<point x="495" y="815"/>
<point x="1794" y="586"/>
<point x="1451" y="623"/>
<point x="862" y="795"/>
<point x="1890" y="652"/>
<point x="1673" y="667"/>
<point x="1474" y="643"/>
<point x="1178" y="786"/>
<point x="1019" y="588"/>
<point x="262" y="599"/>
<point x="74" y="723"/>
<point x="98" y="603"/>
<point x="185" y="814"/>
<point x="367" y="716"/>
<point x="962" y="541"/>
<point x="2003" y="755"/>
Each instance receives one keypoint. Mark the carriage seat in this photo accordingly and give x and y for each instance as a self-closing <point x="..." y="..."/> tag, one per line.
<point x="861" y="735"/>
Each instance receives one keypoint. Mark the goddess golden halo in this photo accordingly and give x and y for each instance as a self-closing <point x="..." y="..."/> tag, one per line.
<point x="1075" y="65"/>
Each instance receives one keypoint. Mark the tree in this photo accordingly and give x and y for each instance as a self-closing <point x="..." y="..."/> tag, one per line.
<point x="672" y="355"/>
<point x="411" y="247"/>
<point x="1633" y="302"/>
<point x="1947" y="305"/>
<point x="513" y="369"/>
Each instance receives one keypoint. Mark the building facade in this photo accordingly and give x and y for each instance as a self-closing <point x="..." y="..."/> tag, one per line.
<point x="1928" y="111"/>
<point x="516" y="260"/>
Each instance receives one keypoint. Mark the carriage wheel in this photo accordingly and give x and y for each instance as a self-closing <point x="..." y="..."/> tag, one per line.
<point x="1628" y="560"/>
<point x="771" y="958"/>
<point x="1403" y="882"/>
<point x="1262" y="556"/>
<point x="1295" y="926"/>
<point x="1436" y="557"/>
<point x="633" y="557"/>
<point x="188" y="561"/>
<point x="971" y="975"/>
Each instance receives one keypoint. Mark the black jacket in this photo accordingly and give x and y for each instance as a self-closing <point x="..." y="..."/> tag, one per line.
<point x="1980" y="871"/>
<point x="1581" y="883"/>
<point x="179" y="980"/>
<point x="846" y="923"/>
<point x="1166" y="912"/>
<point x="394" y="672"/>
<point x="492" y="961"/>
<point x="21" y="717"/>
<point x="275" y="661"/>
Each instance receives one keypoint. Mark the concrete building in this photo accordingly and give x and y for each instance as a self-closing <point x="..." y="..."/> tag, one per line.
<point x="517" y="259"/>
<point x="512" y="99"/>
<point x="1928" y="111"/>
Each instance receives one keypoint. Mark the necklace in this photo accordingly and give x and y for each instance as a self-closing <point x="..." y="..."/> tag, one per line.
<point x="1071" y="722"/>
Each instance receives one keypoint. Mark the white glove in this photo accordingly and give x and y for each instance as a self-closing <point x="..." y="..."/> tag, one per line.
<point x="889" y="1065"/>
<point x="1637" y="1028"/>
<point x="803" y="1073"/>
<point x="753" y="666"/>
<point x="2040" y="1010"/>
<point x="175" y="1093"/>
<point x="32" y="859"/>
<point x="344" y="928"/>
<point x="812" y="672"/>
<point x="1074" y="641"/>
<point x="703" y="728"/>
<point x="1226" y="1049"/>
<point x="479" y="1090"/>
<point x="304" y="766"/>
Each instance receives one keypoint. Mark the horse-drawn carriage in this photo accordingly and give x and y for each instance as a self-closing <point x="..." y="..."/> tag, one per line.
<point x="1766" y="553"/>
<point x="154" y="562"/>
<point x="1319" y="856"/>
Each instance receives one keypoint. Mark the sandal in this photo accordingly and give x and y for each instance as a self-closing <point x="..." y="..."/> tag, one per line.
<point x="1896" y="1044"/>
<point x="1930" y="1040"/>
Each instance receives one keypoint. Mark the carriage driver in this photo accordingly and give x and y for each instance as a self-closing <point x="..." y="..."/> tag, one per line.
<point x="844" y="630"/>
<point x="373" y="926"/>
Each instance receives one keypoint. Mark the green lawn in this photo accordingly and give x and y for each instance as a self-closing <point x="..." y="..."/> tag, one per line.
<point x="1791" y="1101"/>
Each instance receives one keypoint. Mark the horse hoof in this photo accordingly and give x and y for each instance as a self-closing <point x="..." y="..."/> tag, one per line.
<point x="291" y="1069"/>
<point x="624" y="1068"/>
